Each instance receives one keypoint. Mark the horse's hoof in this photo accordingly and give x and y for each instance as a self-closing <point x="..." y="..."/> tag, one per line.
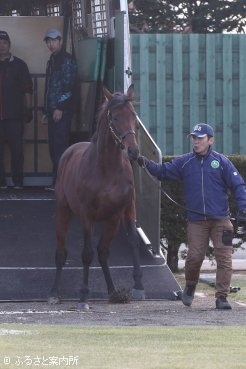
<point x="119" y="297"/>
<point x="138" y="294"/>
<point x="83" y="306"/>
<point x="54" y="300"/>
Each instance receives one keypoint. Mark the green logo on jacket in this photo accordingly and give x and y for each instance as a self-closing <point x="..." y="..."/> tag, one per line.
<point x="215" y="164"/>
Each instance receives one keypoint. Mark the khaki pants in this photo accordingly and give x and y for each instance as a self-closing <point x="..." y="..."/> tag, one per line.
<point x="221" y="234"/>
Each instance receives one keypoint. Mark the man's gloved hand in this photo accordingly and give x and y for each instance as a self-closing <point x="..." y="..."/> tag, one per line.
<point x="241" y="222"/>
<point x="28" y="117"/>
<point x="142" y="161"/>
<point x="241" y="215"/>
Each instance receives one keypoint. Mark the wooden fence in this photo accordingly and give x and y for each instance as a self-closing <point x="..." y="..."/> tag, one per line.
<point x="181" y="80"/>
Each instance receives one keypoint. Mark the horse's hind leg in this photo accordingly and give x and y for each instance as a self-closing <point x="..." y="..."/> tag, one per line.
<point x="109" y="232"/>
<point x="133" y="239"/>
<point x="63" y="216"/>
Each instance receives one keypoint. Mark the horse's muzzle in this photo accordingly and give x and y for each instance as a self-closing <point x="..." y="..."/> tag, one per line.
<point x="133" y="152"/>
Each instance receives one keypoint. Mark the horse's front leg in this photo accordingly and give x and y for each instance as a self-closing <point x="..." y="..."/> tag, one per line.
<point x="138" y="292"/>
<point x="63" y="217"/>
<point x="87" y="257"/>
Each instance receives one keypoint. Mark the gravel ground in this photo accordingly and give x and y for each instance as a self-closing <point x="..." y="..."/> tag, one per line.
<point x="135" y="313"/>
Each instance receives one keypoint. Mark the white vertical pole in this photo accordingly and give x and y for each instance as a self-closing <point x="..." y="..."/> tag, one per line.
<point x="127" y="46"/>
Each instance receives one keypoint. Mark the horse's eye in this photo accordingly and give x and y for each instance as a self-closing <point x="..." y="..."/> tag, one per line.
<point x="137" y="124"/>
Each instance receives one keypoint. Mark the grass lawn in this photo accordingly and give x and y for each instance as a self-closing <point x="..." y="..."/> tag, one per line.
<point x="141" y="347"/>
<point x="35" y="346"/>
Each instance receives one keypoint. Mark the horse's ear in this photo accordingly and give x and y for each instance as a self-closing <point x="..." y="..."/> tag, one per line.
<point x="130" y="91"/>
<point x="107" y="94"/>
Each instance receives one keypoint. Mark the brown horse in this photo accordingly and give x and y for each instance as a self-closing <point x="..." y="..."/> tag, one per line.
<point x="95" y="182"/>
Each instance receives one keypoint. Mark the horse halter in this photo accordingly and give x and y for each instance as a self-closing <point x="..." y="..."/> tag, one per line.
<point x="116" y="135"/>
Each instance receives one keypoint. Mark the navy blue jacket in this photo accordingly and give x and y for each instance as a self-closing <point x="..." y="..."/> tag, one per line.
<point x="207" y="180"/>
<point x="61" y="73"/>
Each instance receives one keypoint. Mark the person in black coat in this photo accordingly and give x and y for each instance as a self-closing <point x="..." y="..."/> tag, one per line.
<point x="15" y="109"/>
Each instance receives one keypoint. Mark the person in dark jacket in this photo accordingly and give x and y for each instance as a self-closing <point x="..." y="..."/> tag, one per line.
<point x="61" y="73"/>
<point x="15" y="109"/>
<point x="207" y="177"/>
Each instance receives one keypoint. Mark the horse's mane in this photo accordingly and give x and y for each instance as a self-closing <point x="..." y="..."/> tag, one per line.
<point x="118" y="99"/>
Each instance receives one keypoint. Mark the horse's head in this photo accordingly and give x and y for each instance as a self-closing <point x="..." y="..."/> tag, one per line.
<point x="123" y="121"/>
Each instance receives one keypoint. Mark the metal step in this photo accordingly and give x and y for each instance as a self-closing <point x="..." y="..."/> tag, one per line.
<point x="27" y="265"/>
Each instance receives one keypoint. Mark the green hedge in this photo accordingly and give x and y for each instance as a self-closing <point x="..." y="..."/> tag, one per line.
<point x="173" y="217"/>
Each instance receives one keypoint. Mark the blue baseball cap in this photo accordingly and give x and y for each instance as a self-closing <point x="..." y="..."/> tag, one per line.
<point x="202" y="130"/>
<point x="52" y="33"/>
